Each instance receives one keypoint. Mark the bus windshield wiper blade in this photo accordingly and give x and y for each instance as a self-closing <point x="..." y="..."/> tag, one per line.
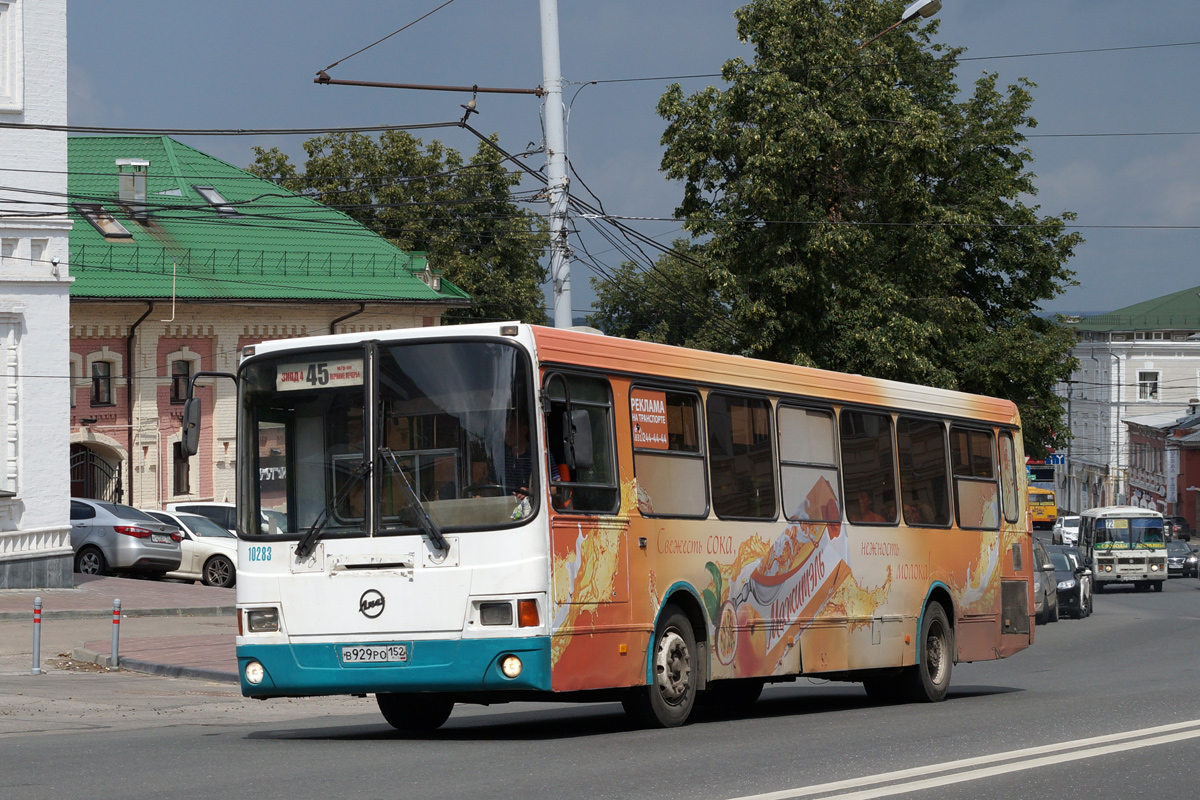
<point x="426" y="524"/>
<point x="308" y="541"/>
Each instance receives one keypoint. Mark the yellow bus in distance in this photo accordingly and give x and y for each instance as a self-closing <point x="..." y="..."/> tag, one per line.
<point x="1043" y="507"/>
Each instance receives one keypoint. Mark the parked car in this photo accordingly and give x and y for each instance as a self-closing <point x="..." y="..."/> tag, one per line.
<point x="109" y="537"/>
<point x="1045" y="586"/>
<point x="225" y="515"/>
<point x="1182" y="561"/>
<point x="1074" y="581"/>
<point x="1066" y="530"/>
<point x="1180" y="528"/>
<point x="209" y="551"/>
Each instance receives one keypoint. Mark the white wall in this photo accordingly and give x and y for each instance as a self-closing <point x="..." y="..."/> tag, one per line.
<point x="34" y="311"/>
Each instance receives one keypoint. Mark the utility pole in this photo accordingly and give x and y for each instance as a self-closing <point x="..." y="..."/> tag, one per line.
<point x="556" y="165"/>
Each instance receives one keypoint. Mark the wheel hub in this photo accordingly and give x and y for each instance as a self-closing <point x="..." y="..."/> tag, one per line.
<point x="673" y="667"/>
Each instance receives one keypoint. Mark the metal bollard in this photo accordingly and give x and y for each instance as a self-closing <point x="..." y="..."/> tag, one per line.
<point x="116" y="632"/>
<point x="37" y="636"/>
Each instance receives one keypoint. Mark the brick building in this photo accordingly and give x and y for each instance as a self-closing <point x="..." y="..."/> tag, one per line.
<point x="181" y="260"/>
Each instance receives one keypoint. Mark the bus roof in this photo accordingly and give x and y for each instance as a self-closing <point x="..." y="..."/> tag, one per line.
<point x="629" y="356"/>
<point x="1121" y="511"/>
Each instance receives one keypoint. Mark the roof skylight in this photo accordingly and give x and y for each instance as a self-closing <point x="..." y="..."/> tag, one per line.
<point x="103" y="221"/>
<point x="216" y="200"/>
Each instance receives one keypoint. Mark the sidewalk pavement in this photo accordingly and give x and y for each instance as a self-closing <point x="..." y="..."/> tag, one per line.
<point x="182" y="646"/>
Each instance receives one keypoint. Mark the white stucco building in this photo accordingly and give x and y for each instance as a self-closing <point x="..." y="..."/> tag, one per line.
<point x="1142" y="363"/>
<point x="35" y="548"/>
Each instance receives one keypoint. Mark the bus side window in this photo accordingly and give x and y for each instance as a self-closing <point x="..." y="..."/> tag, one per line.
<point x="668" y="460"/>
<point x="808" y="464"/>
<point x="582" y="488"/>
<point x="741" y="459"/>
<point x="1008" y="476"/>
<point x="868" y="467"/>
<point x="924" y="484"/>
<point x="976" y="491"/>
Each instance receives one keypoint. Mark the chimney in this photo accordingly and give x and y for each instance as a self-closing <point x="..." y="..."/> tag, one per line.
<point x="131" y="185"/>
<point x="1193" y="406"/>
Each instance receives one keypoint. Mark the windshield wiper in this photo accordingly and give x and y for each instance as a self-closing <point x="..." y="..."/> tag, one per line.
<point x="308" y="541"/>
<point x="423" y="521"/>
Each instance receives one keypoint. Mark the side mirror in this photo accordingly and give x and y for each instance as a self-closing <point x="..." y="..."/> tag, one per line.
<point x="577" y="439"/>
<point x="189" y="442"/>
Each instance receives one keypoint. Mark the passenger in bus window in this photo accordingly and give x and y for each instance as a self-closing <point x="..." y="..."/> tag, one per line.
<point x="866" y="509"/>
<point x="518" y="458"/>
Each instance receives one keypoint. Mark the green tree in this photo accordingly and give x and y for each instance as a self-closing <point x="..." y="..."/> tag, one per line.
<point x="857" y="215"/>
<point x="426" y="198"/>
<point x="673" y="302"/>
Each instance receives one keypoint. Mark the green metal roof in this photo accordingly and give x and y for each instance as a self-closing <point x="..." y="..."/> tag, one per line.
<point x="278" y="245"/>
<point x="1178" y="311"/>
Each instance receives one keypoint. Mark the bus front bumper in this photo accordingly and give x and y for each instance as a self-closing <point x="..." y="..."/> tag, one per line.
<point x="437" y="665"/>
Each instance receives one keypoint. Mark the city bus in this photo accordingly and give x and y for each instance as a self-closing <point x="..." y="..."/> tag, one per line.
<point x="1126" y="545"/>
<point x="499" y="512"/>
<point x="1043" y="506"/>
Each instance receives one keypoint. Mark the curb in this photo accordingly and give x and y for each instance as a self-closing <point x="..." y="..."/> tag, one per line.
<point x="128" y="613"/>
<point x="152" y="668"/>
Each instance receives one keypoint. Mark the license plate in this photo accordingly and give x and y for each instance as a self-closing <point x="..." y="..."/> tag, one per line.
<point x="375" y="653"/>
<point x="160" y="538"/>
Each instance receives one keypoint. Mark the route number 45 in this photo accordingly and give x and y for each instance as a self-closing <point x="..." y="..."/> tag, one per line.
<point x="318" y="374"/>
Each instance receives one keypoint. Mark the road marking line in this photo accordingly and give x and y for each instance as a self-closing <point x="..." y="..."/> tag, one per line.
<point x="1176" y="731"/>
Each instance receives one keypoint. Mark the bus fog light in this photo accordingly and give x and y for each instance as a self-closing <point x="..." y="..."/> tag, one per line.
<point x="496" y="613"/>
<point x="263" y="620"/>
<point x="254" y="673"/>
<point x="510" y="666"/>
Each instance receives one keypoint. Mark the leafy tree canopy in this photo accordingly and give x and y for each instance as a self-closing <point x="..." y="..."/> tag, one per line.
<point x="425" y="198"/>
<point x="854" y="211"/>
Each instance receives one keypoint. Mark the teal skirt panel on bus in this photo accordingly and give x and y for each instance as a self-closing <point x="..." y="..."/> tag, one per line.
<point x="438" y="665"/>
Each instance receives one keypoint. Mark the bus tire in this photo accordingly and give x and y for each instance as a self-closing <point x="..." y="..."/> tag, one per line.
<point x="1158" y="585"/>
<point x="414" y="713"/>
<point x="928" y="680"/>
<point x="668" y="701"/>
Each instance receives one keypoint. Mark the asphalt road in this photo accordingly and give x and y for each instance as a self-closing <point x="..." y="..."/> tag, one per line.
<point x="1098" y="708"/>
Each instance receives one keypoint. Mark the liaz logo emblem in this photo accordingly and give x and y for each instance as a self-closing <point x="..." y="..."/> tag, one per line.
<point x="370" y="605"/>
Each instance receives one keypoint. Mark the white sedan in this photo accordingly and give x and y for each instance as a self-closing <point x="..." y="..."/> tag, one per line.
<point x="209" y="551"/>
<point x="1066" y="530"/>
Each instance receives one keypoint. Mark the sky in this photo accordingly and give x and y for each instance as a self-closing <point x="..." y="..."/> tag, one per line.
<point x="249" y="64"/>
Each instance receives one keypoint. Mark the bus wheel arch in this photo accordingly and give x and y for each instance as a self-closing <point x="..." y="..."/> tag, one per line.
<point x="667" y="700"/>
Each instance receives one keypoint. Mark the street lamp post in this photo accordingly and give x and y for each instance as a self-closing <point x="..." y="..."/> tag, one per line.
<point x="921" y="8"/>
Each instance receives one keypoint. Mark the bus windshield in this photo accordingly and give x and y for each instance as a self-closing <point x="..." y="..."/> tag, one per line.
<point x="455" y="417"/>
<point x="1116" y="533"/>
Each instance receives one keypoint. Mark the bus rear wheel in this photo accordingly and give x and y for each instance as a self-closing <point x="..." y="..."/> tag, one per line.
<point x="415" y="713"/>
<point x="929" y="679"/>
<point x="668" y="701"/>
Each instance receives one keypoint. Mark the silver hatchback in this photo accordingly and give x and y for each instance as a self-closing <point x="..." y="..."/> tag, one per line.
<point x="108" y="537"/>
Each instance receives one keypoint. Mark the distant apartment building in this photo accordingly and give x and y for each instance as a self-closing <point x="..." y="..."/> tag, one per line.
<point x="1139" y="365"/>
<point x="182" y="260"/>
<point x="35" y="547"/>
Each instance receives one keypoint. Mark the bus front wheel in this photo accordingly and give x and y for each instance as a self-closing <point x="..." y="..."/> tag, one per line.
<point x="668" y="701"/>
<point x="929" y="679"/>
<point x="415" y="713"/>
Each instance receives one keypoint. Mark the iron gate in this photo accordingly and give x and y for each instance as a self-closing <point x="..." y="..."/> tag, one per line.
<point x="93" y="477"/>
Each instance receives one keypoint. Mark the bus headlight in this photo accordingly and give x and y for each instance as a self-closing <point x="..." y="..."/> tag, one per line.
<point x="254" y="673"/>
<point x="262" y="620"/>
<point x="510" y="666"/>
<point x="1154" y="567"/>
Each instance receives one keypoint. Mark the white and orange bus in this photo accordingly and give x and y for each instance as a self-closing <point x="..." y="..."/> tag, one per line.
<point x="495" y="512"/>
